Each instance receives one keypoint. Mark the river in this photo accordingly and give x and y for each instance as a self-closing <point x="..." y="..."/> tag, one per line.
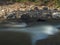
<point x="38" y="31"/>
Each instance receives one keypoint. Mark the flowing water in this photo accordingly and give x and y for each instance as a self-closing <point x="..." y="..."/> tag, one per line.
<point x="37" y="32"/>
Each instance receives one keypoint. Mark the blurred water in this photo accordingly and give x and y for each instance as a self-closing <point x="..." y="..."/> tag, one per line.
<point x="37" y="32"/>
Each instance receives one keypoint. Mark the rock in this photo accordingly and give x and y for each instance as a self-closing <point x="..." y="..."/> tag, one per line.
<point x="25" y="18"/>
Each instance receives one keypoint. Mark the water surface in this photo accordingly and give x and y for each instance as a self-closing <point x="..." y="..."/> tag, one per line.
<point x="38" y="31"/>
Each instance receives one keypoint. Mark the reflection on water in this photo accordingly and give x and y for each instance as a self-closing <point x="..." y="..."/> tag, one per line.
<point x="37" y="32"/>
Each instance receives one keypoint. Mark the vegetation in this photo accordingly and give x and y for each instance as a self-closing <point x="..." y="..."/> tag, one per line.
<point x="57" y="2"/>
<point x="45" y="2"/>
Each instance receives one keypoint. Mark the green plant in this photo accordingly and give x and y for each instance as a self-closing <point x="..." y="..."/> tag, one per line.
<point x="57" y="3"/>
<point x="32" y="0"/>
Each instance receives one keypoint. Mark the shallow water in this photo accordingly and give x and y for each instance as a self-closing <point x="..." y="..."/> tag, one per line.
<point x="37" y="32"/>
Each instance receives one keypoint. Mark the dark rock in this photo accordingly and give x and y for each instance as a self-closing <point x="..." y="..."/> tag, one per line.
<point x="11" y="15"/>
<point x="45" y="8"/>
<point x="25" y="18"/>
<point x="41" y="20"/>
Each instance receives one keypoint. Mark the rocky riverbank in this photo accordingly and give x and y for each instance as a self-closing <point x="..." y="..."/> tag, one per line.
<point x="17" y="9"/>
<point x="5" y="9"/>
<point x="17" y="6"/>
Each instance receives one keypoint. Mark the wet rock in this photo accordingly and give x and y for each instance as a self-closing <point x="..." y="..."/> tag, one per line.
<point x="45" y="8"/>
<point x="11" y="16"/>
<point x="25" y="18"/>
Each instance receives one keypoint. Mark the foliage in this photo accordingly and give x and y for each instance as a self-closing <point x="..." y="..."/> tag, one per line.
<point x="32" y="0"/>
<point x="17" y="0"/>
<point x="57" y="2"/>
<point x="45" y="1"/>
<point x="23" y="0"/>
